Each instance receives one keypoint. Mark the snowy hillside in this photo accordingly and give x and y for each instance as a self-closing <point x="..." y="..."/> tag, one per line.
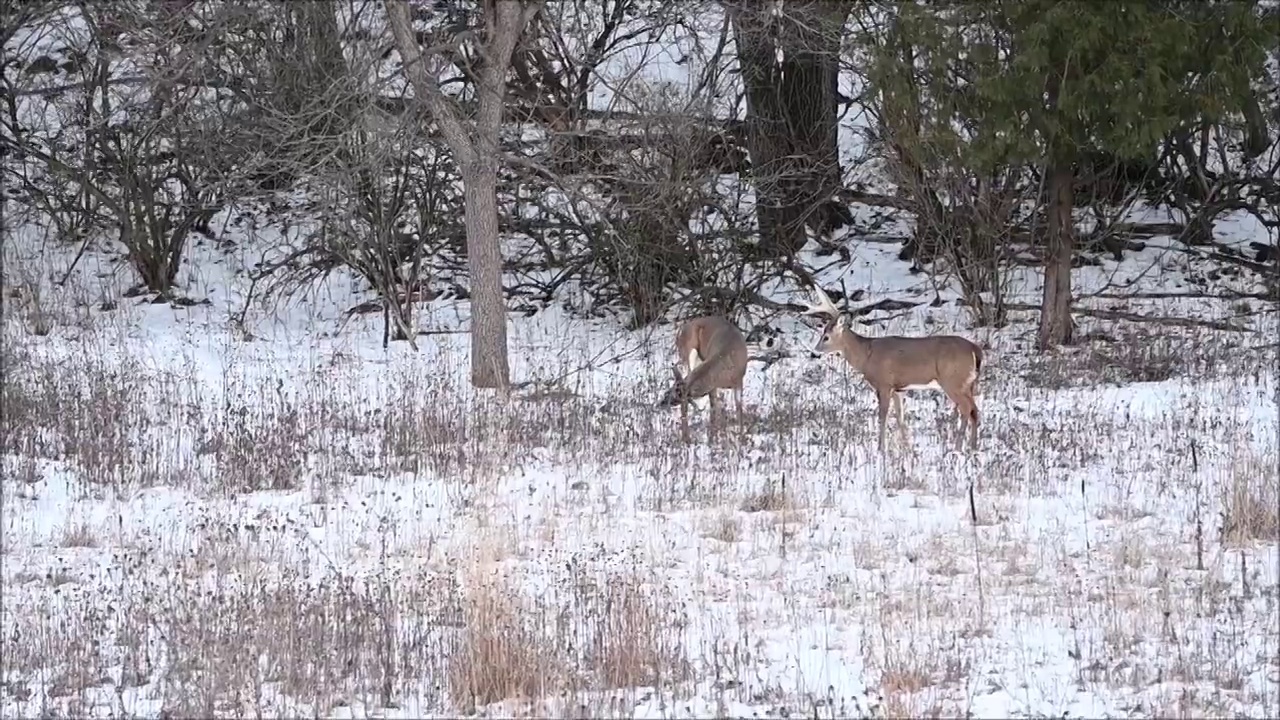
<point x="304" y="523"/>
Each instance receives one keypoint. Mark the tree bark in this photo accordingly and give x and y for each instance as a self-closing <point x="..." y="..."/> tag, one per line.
<point x="475" y="147"/>
<point x="1056" y="325"/>
<point x="316" y="40"/>
<point x="489" y="364"/>
<point x="791" y="113"/>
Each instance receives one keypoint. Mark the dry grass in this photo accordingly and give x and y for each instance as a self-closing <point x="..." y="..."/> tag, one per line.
<point x="78" y="534"/>
<point x="1122" y="354"/>
<point x="1251" y="499"/>
<point x="622" y="567"/>
<point x="603" y="634"/>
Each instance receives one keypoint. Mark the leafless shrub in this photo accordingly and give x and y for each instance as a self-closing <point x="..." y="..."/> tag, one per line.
<point x="555" y="68"/>
<point x="655" y="241"/>
<point x="652" y="218"/>
<point x="302" y="94"/>
<point x="388" y="209"/>
<point x="965" y="208"/>
<point x="381" y="199"/>
<point x="135" y="146"/>
<point x="966" y="227"/>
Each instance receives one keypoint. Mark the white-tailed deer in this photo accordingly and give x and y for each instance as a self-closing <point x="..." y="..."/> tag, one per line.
<point x="714" y="354"/>
<point x="894" y="363"/>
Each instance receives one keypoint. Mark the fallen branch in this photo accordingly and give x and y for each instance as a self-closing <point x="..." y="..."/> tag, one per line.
<point x="1159" y="320"/>
<point x="1147" y="230"/>
<point x="877" y="200"/>
<point x="1135" y="317"/>
<point x="1264" y="268"/>
<point x="1226" y="295"/>
<point x="887" y="304"/>
<point x="746" y="294"/>
<point x="768" y="359"/>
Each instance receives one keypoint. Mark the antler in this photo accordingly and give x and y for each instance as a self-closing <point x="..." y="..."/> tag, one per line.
<point x="824" y="305"/>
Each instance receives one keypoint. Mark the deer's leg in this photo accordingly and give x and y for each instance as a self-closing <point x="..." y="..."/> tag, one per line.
<point x="973" y="423"/>
<point x="742" y="427"/>
<point x="884" y="398"/>
<point x="897" y="411"/>
<point x="971" y="410"/>
<point x="684" y="420"/>
<point x="968" y="412"/>
<point x="713" y="416"/>
<point x="957" y="402"/>
<point x="955" y="420"/>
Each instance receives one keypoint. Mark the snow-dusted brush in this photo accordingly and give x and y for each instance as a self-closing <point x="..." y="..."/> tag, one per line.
<point x="894" y="363"/>
<point x="714" y="354"/>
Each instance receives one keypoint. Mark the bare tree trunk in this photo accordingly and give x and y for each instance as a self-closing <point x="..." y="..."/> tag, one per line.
<point x="791" y="114"/>
<point x="317" y="40"/>
<point x="489" y="365"/>
<point x="475" y="147"/>
<point x="1056" y="326"/>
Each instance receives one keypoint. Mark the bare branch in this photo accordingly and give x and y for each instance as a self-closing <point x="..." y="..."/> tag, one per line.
<point x="426" y="82"/>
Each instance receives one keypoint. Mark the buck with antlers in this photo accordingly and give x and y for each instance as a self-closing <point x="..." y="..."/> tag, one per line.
<point x="894" y="363"/>
<point x="714" y="354"/>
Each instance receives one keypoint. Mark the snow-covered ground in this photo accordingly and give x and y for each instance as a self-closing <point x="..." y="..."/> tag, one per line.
<point x="254" y="510"/>
<point x="302" y="523"/>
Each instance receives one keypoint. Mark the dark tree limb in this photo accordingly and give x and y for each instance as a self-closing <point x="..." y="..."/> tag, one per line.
<point x="1135" y="317"/>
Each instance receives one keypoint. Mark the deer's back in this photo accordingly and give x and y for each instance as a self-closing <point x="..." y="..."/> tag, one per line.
<point x="908" y="361"/>
<point x="722" y="349"/>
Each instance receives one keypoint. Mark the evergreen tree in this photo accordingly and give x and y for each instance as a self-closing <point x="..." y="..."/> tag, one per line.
<point x="1046" y="82"/>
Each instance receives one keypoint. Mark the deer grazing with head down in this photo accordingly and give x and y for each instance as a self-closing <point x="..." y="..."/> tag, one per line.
<point x="714" y="354"/>
<point x="894" y="363"/>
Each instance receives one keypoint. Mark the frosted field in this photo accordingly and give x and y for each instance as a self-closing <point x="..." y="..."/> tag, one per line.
<point x="197" y="524"/>
<point x="253" y="510"/>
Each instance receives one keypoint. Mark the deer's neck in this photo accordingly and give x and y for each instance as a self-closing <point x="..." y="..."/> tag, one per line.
<point x="856" y="349"/>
